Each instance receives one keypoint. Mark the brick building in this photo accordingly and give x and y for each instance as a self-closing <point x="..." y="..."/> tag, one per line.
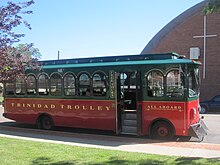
<point x="186" y="32"/>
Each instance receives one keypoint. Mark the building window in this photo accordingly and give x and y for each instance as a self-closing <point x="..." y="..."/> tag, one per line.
<point x="155" y="84"/>
<point x="99" y="84"/>
<point x="84" y="85"/>
<point x="43" y="84"/>
<point x="69" y="84"/>
<point x="56" y="84"/>
<point x="31" y="85"/>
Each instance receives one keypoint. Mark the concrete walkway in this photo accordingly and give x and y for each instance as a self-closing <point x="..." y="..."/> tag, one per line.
<point x="185" y="149"/>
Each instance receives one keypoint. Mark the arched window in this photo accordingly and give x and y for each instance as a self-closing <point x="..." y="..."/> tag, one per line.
<point x="56" y="84"/>
<point x="175" y="83"/>
<point x="9" y="88"/>
<point x="20" y="86"/>
<point x="31" y="85"/>
<point x="99" y="84"/>
<point x="69" y="84"/>
<point x="155" y="82"/>
<point x="84" y="85"/>
<point x="43" y="84"/>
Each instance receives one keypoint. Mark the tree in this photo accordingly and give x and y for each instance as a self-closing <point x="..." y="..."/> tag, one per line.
<point x="213" y="6"/>
<point x="14" y="60"/>
<point x="28" y="50"/>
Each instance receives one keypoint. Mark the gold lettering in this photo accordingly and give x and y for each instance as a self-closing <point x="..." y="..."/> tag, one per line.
<point x="12" y="104"/>
<point x="107" y="108"/>
<point x="91" y="108"/>
<point x="18" y="105"/>
<point x="39" y="105"/>
<point x="61" y="106"/>
<point x="99" y="108"/>
<point x="52" y="106"/>
<point x="69" y="107"/>
<point x="77" y="107"/>
<point x="28" y="105"/>
<point x="46" y="106"/>
<point x="147" y="108"/>
<point x="84" y="107"/>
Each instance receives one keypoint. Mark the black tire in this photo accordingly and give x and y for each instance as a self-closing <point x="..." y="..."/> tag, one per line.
<point x="203" y="109"/>
<point x="46" y="123"/>
<point x="162" y="130"/>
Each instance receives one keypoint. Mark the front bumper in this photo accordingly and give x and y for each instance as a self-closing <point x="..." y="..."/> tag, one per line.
<point x="198" y="130"/>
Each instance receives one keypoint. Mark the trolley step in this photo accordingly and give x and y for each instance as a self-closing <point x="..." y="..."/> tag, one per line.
<point x="132" y="123"/>
<point x="129" y="130"/>
<point x="129" y="123"/>
<point x="129" y="116"/>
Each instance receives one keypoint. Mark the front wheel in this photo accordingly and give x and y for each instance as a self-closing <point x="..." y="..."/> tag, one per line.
<point x="162" y="130"/>
<point x="46" y="123"/>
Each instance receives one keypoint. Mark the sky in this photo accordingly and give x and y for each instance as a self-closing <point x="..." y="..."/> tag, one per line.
<point x="90" y="28"/>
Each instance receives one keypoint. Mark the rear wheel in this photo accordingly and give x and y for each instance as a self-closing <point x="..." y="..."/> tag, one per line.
<point x="46" y="122"/>
<point x="162" y="130"/>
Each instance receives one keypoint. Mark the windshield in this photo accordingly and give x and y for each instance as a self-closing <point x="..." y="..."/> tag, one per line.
<point x="194" y="82"/>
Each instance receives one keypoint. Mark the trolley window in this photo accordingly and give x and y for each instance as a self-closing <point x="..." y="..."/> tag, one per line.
<point x="69" y="84"/>
<point x="84" y="85"/>
<point x="193" y="83"/>
<point x="175" y="83"/>
<point x="56" y="84"/>
<point x="20" y="86"/>
<point x="31" y="85"/>
<point x="155" y="82"/>
<point x="43" y="84"/>
<point x="9" y="88"/>
<point x="99" y="84"/>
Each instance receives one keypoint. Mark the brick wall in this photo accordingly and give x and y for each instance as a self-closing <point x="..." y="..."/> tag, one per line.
<point x="180" y="39"/>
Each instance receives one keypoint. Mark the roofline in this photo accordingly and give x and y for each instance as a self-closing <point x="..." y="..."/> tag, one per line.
<point x="120" y="63"/>
<point x="158" y="56"/>
<point x="171" y="25"/>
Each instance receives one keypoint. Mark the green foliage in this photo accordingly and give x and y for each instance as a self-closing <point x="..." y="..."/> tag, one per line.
<point x="15" y="60"/>
<point x="36" y="153"/>
<point x="212" y="7"/>
<point x="28" y="50"/>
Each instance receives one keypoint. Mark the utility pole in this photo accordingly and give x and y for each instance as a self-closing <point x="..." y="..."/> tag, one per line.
<point x="58" y="55"/>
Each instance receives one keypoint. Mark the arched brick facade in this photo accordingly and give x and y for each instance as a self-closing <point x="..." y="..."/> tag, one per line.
<point x="177" y="36"/>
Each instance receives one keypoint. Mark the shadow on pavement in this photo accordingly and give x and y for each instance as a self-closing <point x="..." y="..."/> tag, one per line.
<point x="71" y="135"/>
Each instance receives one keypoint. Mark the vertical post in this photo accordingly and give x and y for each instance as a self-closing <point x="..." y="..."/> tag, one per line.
<point x="204" y="49"/>
<point x="58" y="55"/>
